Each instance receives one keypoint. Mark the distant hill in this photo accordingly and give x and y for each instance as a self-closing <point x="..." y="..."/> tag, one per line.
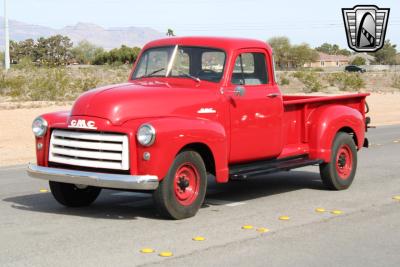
<point x="107" y="38"/>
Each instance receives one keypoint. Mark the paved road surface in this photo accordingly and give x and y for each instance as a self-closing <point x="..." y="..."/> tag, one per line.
<point x="36" y="231"/>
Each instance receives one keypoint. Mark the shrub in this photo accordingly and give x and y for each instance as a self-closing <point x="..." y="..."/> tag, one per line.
<point x="345" y="81"/>
<point x="12" y="85"/>
<point x="310" y="80"/>
<point x="57" y="84"/>
<point x="284" y="80"/>
<point x="318" y="69"/>
<point x="358" y="61"/>
<point x="396" y="81"/>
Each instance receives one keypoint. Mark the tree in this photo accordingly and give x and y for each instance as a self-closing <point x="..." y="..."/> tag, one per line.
<point x="280" y="46"/>
<point x="122" y="55"/>
<point x="358" y="61"/>
<point x="301" y="54"/>
<point x="170" y="32"/>
<point x="23" y="49"/>
<point x="332" y="49"/>
<point x="85" y="52"/>
<point x="53" y="51"/>
<point x="386" y="55"/>
<point x="1" y="58"/>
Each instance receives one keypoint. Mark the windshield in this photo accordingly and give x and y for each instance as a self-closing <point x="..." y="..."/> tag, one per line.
<point x="198" y="63"/>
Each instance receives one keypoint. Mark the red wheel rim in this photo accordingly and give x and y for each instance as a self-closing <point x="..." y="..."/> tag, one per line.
<point x="186" y="184"/>
<point x="344" y="162"/>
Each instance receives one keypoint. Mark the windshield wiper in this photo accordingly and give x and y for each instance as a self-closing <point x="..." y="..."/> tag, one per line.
<point x="197" y="79"/>
<point x="151" y="73"/>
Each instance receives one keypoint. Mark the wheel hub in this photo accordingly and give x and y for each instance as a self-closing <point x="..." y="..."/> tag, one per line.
<point x="342" y="160"/>
<point x="186" y="184"/>
<point x="183" y="183"/>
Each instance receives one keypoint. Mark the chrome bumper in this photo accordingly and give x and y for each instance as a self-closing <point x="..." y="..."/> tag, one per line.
<point x="108" y="180"/>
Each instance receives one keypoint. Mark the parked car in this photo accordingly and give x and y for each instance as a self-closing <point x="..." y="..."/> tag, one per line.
<point x="179" y="118"/>
<point x="354" y="68"/>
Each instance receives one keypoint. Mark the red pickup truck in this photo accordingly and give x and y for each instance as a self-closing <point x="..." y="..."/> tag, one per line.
<point x="195" y="106"/>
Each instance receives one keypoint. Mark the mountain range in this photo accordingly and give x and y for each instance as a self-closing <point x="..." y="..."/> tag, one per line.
<point x="107" y="38"/>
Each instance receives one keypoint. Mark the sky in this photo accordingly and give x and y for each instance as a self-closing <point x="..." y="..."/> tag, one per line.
<point x="310" y="21"/>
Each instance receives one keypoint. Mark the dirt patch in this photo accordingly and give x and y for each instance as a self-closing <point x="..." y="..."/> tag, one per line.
<point x="17" y="141"/>
<point x="16" y="138"/>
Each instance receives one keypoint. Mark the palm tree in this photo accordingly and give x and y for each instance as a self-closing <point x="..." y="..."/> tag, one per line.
<point x="170" y="32"/>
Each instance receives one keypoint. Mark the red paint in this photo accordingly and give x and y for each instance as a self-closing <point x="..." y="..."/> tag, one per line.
<point x="344" y="162"/>
<point x="186" y="184"/>
<point x="261" y="124"/>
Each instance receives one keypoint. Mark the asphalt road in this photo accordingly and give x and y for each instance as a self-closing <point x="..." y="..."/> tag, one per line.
<point x="36" y="231"/>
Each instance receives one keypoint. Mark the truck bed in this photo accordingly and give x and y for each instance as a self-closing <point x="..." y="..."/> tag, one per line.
<point x="298" y="110"/>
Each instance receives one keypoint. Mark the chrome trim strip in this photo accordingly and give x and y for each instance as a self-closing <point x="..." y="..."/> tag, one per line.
<point x="107" y="180"/>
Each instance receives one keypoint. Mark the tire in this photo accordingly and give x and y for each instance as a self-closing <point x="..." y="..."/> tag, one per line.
<point x="339" y="173"/>
<point x="181" y="193"/>
<point x="71" y="196"/>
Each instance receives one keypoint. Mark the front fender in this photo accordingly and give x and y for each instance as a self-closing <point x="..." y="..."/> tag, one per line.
<point x="174" y="133"/>
<point x="326" y="121"/>
<point x="54" y="119"/>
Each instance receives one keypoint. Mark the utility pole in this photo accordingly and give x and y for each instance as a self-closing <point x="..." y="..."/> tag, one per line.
<point x="6" y="39"/>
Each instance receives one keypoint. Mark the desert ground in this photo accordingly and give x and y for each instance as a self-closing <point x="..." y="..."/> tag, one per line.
<point x="17" y="141"/>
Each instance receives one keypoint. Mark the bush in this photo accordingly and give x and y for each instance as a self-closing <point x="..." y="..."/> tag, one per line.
<point x="358" y="61"/>
<point x="310" y="80"/>
<point x="396" y="81"/>
<point x="57" y="84"/>
<point x="284" y="80"/>
<point x="318" y="69"/>
<point x="345" y="81"/>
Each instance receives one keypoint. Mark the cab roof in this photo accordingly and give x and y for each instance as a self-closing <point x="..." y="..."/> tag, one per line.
<point x="224" y="43"/>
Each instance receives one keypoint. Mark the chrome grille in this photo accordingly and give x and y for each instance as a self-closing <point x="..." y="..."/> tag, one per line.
<point x="90" y="149"/>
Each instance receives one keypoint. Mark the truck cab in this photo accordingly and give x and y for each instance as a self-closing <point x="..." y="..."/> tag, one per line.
<point x="193" y="107"/>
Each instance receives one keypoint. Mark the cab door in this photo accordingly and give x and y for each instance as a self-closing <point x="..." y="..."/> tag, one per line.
<point x="255" y="106"/>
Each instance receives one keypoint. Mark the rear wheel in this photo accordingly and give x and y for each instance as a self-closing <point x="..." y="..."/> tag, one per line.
<point x="71" y="195"/>
<point x="181" y="193"/>
<point x="339" y="173"/>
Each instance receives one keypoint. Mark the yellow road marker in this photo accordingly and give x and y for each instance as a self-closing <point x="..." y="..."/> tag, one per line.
<point x="262" y="230"/>
<point x="284" y="218"/>
<point x="396" y="141"/>
<point x="336" y="212"/>
<point x="166" y="254"/>
<point x="43" y="190"/>
<point x="198" y="238"/>
<point x="396" y="197"/>
<point x="147" y="250"/>
<point x="247" y="227"/>
<point x="320" y="210"/>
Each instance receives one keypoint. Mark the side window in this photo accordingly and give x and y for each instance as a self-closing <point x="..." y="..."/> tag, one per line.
<point x="250" y="69"/>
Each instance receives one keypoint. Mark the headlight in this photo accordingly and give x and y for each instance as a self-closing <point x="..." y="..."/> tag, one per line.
<point x="146" y="135"/>
<point x="39" y="127"/>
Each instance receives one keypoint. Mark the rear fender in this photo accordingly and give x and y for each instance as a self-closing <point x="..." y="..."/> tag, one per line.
<point x="326" y="122"/>
<point x="172" y="134"/>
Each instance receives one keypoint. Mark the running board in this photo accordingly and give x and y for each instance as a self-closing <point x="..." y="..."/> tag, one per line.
<point x="246" y="170"/>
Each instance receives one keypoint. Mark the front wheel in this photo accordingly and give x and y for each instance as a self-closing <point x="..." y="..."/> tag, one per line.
<point x="71" y="195"/>
<point x="339" y="173"/>
<point x="181" y="193"/>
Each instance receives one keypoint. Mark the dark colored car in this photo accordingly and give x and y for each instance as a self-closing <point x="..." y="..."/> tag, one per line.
<point x="354" y="68"/>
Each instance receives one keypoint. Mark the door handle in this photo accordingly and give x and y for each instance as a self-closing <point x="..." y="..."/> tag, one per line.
<point x="239" y="91"/>
<point x="272" y="95"/>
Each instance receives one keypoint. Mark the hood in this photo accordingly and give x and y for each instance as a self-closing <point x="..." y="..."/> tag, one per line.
<point x="122" y="102"/>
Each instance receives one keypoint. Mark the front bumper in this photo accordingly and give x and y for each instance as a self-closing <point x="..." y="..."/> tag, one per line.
<point x="107" y="180"/>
